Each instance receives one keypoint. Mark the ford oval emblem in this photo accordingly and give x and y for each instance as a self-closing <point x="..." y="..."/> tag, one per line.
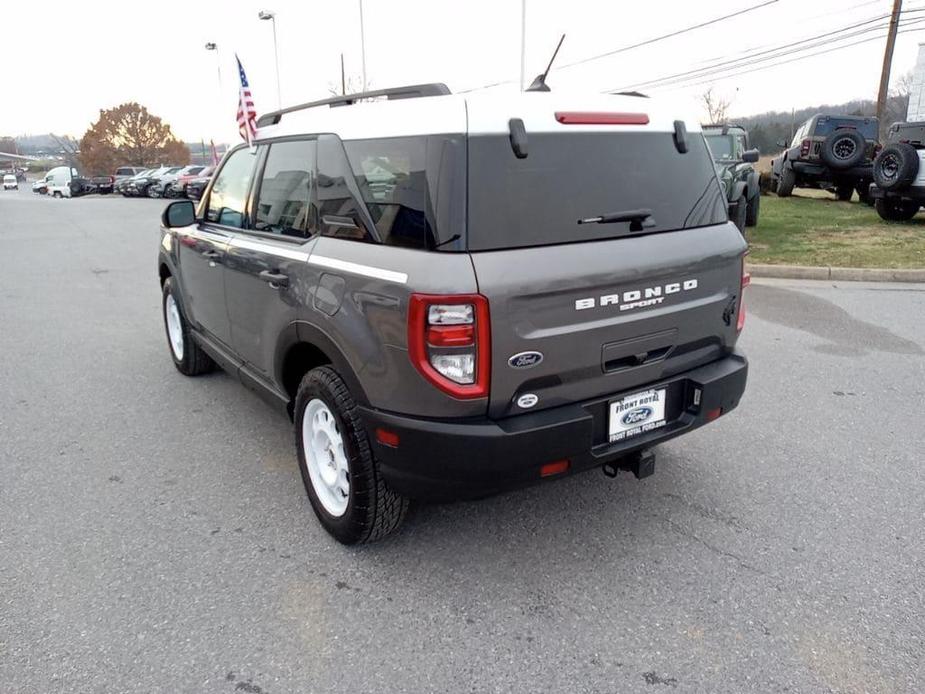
<point x="525" y="360"/>
<point x="637" y="416"/>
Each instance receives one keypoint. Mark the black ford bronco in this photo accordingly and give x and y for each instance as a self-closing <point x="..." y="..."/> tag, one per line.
<point x="830" y="152"/>
<point x="456" y="295"/>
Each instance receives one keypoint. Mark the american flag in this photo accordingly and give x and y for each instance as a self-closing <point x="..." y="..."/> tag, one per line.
<point x="247" y="114"/>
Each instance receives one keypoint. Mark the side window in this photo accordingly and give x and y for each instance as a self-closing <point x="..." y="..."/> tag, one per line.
<point x="339" y="209"/>
<point x="392" y="178"/>
<point x="284" y="204"/>
<point x="229" y="194"/>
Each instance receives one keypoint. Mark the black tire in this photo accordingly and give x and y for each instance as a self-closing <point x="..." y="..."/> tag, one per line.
<point x="786" y="181"/>
<point x="844" y="191"/>
<point x="738" y="214"/>
<point x="896" y="210"/>
<point x="844" y="149"/>
<point x="863" y="191"/>
<point x="193" y="361"/>
<point x="896" y="167"/>
<point x="753" y="210"/>
<point x="373" y="510"/>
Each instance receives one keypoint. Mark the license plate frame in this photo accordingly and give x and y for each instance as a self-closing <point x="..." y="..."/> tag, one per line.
<point x="636" y="414"/>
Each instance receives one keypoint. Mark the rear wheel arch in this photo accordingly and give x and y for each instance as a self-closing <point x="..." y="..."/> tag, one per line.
<point x="303" y="347"/>
<point x="163" y="271"/>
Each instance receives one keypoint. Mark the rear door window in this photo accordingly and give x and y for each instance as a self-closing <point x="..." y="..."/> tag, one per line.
<point x="227" y="200"/>
<point x="581" y="175"/>
<point x="284" y="201"/>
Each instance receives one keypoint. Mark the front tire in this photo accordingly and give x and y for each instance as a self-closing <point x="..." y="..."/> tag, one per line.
<point x="340" y="472"/>
<point x="894" y="210"/>
<point x="753" y="210"/>
<point x="786" y="181"/>
<point x="187" y="355"/>
<point x="739" y="214"/>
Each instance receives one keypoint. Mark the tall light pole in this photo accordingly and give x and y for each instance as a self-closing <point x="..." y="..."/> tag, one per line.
<point x="362" y="46"/>
<point x="271" y="16"/>
<point x="211" y="46"/>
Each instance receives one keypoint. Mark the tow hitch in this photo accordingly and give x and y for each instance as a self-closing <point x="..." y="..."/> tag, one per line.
<point x="641" y="464"/>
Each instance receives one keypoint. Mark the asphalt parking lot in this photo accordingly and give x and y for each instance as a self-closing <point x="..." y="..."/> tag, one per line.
<point x="155" y="535"/>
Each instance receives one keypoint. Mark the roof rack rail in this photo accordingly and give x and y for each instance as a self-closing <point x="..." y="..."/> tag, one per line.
<point x="413" y="91"/>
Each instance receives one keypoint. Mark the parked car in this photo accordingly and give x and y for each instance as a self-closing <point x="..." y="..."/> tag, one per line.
<point x="899" y="173"/>
<point x="735" y="167"/>
<point x="196" y="185"/>
<point x="124" y="173"/>
<point x="121" y="185"/>
<point x="441" y="315"/>
<point x="161" y="181"/>
<point x="10" y="182"/>
<point x="99" y="184"/>
<point x="831" y="152"/>
<point x="40" y="186"/>
<point x="139" y="185"/>
<point x="177" y="188"/>
<point x="64" y="182"/>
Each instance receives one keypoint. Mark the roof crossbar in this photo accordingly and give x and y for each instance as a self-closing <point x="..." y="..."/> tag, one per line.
<point x="413" y="91"/>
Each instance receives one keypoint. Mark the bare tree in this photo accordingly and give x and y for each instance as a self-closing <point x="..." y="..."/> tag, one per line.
<point x="67" y="147"/>
<point x="897" y="102"/>
<point x="716" y="106"/>
<point x="352" y="85"/>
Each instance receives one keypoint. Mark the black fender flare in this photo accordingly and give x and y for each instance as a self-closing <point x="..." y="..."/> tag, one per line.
<point x="303" y="332"/>
<point x="737" y="190"/>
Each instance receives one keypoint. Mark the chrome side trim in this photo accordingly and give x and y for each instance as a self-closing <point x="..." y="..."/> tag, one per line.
<point x="357" y="269"/>
<point x="270" y="248"/>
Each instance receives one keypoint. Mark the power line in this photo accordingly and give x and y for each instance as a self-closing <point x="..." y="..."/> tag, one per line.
<point x="776" y="52"/>
<point x="656" y="39"/>
<point x="791" y="60"/>
<point x="647" y="42"/>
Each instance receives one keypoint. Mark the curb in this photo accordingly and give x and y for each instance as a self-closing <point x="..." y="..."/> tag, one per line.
<point x="844" y="274"/>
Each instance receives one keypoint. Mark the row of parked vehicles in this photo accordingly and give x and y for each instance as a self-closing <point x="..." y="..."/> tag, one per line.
<point x="130" y="181"/>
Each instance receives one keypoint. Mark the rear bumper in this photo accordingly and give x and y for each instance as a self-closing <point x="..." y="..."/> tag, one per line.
<point x="824" y="173"/>
<point x="908" y="193"/>
<point x="457" y="459"/>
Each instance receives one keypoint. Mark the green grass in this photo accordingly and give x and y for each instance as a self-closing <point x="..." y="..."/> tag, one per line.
<point x="817" y="230"/>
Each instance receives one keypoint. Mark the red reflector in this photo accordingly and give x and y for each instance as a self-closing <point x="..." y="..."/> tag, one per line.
<point x="556" y="468"/>
<point x="601" y="118"/>
<point x="387" y="438"/>
<point x="714" y="414"/>
<point x="450" y="335"/>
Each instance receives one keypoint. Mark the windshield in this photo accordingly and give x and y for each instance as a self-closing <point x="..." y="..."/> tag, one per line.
<point x="724" y="147"/>
<point x="538" y="200"/>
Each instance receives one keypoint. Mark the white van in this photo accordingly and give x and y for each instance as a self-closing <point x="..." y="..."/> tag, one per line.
<point x="10" y="182"/>
<point x="59" y="181"/>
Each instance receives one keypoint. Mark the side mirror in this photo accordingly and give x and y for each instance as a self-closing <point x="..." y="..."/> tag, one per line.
<point x="180" y="213"/>
<point x="781" y="144"/>
<point x="751" y="156"/>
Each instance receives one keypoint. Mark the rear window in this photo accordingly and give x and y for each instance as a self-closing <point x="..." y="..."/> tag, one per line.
<point x="566" y="177"/>
<point x="826" y="125"/>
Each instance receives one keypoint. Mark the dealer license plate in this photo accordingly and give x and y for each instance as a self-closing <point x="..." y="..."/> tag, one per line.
<point x="636" y="414"/>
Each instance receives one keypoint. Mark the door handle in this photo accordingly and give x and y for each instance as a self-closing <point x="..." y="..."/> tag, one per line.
<point x="274" y="279"/>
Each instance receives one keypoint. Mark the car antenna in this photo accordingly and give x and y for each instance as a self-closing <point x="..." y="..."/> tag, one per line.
<point x="539" y="84"/>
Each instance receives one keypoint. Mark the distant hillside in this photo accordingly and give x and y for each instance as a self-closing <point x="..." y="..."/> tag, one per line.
<point x="766" y="129"/>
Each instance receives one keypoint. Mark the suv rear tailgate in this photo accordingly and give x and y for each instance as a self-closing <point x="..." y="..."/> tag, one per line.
<point x="569" y="303"/>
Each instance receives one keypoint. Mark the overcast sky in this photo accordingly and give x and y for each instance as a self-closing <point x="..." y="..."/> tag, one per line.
<point x="63" y="61"/>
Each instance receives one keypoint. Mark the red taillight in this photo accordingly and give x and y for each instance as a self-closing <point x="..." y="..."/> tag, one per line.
<point x="746" y="280"/>
<point x="449" y="342"/>
<point x="804" y="148"/>
<point x="556" y="468"/>
<point x="714" y="414"/>
<point x="601" y="118"/>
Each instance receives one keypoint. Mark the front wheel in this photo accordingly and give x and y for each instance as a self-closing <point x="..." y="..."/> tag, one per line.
<point x="893" y="210"/>
<point x="738" y="215"/>
<point x="340" y="472"/>
<point x="187" y="355"/>
<point x="786" y="181"/>
<point x="753" y="210"/>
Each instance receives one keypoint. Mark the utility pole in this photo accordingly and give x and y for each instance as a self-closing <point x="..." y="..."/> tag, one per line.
<point x="888" y="61"/>
<point x="362" y="46"/>
<point x="343" y="79"/>
<point x="523" y="43"/>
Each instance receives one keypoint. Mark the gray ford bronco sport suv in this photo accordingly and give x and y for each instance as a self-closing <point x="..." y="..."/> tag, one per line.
<point x="453" y="296"/>
<point x="830" y="152"/>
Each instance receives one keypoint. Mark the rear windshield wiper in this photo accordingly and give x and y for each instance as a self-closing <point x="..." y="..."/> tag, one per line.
<point x="638" y="219"/>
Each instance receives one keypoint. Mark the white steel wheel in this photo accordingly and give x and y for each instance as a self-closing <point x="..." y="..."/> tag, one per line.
<point x="325" y="457"/>
<point x="174" y="327"/>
